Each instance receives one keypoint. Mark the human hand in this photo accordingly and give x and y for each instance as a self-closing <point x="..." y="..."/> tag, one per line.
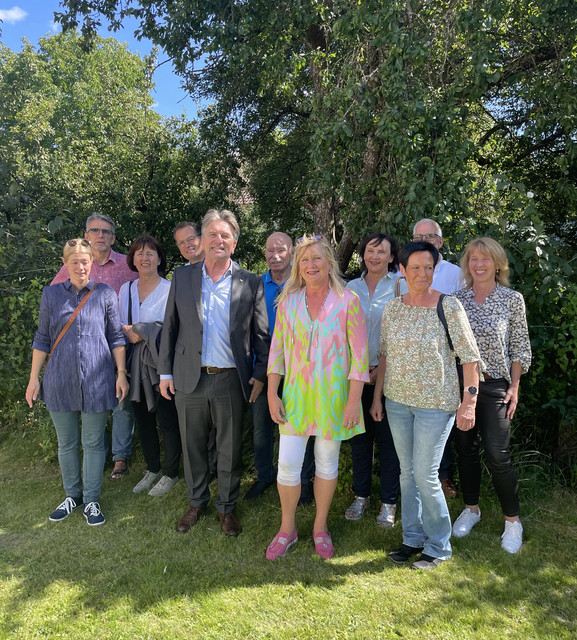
<point x="465" y="419"/>
<point x="32" y="391"/>
<point x="167" y="388"/>
<point x="512" y="399"/>
<point x="122" y="386"/>
<point x="257" y="387"/>
<point x="351" y="414"/>
<point x="131" y="336"/>
<point x="376" y="410"/>
<point x="277" y="410"/>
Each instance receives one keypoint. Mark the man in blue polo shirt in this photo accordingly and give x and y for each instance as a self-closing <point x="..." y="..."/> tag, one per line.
<point x="278" y="254"/>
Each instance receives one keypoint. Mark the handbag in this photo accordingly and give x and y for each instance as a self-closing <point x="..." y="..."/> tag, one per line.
<point x="443" y="319"/>
<point x="70" y="321"/>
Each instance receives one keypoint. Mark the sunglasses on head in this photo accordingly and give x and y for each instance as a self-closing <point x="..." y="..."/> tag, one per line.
<point x="73" y="243"/>
<point x="313" y="237"/>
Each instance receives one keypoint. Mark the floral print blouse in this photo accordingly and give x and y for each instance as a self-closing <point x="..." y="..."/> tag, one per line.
<point x="421" y="370"/>
<point x="500" y="328"/>
<point x="317" y="360"/>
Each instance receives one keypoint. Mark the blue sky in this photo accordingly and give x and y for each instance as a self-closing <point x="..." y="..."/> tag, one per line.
<point x="33" y="19"/>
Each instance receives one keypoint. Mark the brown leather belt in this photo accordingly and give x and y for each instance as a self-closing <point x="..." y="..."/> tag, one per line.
<point x="212" y="370"/>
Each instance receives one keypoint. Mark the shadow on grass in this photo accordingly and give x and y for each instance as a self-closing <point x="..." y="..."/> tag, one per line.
<point x="137" y="561"/>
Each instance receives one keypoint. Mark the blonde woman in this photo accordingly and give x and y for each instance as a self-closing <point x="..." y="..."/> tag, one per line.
<point x="79" y="386"/>
<point x="319" y="347"/>
<point x="497" y="317"/>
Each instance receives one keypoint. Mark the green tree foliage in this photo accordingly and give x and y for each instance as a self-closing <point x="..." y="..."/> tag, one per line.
<point x="78" y="134"/>
<point x="382" y="112"/>
<point x="403" y="109"/>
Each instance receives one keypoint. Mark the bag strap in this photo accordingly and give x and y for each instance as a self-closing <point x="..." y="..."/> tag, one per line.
<point x="398" y="286"/>
<point x="130" y="302"/>
<point x="443" y="319"/>
<point x="70" y="320"/>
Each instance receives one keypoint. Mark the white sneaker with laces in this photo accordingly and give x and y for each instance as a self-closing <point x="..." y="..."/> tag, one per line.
<point x="164" y="485"/>
<point x="512" y="537"/>
<point x="147" y="481"/>
<point x="465" y="522"/>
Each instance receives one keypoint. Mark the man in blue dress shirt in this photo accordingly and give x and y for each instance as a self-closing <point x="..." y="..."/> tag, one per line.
<point x="213" y="359"/>
<point x="278" y="254"/>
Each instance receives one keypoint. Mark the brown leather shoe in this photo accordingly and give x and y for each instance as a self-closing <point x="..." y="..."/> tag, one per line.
<point x="449" y="489"/>
<point x="189" y="519"/>
<point x="229" y="524"/>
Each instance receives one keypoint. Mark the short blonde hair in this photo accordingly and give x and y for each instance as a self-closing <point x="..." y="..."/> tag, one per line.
<point x="296" y="282"/>
<point x="221" y="214"/>
<point x="76" y="245"/>
<point x="491" y="248"/>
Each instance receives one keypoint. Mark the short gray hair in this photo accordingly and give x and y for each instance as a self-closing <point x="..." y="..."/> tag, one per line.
<point x="221" y="214"/>
<point x="438" y="229"/>
<point x="100" y="216"/>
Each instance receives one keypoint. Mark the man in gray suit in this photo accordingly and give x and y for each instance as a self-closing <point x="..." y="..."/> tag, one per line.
<point x="213" y="358"/>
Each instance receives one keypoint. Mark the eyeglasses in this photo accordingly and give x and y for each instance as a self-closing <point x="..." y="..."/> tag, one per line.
<point x="186" y="241"/>
<point x="311" y="237"/>
<point x="95" y="231"/>
<point x="425" y="236"/>
<point x="73" y="243"/>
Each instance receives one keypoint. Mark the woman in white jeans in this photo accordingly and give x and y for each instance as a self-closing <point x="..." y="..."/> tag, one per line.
<point x="320" y="347"/>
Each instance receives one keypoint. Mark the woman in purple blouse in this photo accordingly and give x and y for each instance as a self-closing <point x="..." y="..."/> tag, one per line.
<point x="79" y="380"/>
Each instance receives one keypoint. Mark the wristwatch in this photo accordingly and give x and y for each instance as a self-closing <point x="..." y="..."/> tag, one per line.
<point x="473" y="390"/>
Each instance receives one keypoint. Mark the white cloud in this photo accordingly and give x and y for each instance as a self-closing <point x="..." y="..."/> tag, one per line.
<point x="11" y="16"/>
<point x="54" y="27"/>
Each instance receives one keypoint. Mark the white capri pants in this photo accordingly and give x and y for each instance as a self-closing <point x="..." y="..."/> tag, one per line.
<point x="291" y="455"/>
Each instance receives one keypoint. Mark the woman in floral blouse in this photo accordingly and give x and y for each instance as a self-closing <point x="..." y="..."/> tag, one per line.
<point x="497" y="317"/>
<point x="418" y="376"/>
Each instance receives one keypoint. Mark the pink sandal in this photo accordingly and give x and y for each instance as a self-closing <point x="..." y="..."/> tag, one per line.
<point x="324" y="545"/>
<point x="280" y="544"/>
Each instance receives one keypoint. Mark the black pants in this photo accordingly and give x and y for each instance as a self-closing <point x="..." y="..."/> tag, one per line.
<point x="217" y="404"/>
<point x="362" y="455"/>
<point x="167" y="419"/>
<point x="493" y="426"/>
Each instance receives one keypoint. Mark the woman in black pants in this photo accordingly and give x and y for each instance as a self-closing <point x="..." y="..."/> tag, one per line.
<point x="142" y="305"/>
<point x="497" y="317"/>
<point x="376" y="286"/>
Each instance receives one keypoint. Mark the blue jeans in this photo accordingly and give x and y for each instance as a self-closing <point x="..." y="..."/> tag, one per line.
<point x="122" y="430"/>
<point x="70" y="433"/>
<point x="263" y="441"/>
<point x="420" y="436"/>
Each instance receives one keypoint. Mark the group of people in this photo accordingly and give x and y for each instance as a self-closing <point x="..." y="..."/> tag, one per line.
<point x="387" y="359"/>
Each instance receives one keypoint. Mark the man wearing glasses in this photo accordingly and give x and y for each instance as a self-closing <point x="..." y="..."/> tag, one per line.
<point x="110" y="268"/>
<point x="187" y="237"/>
<point x="447" y="277"/>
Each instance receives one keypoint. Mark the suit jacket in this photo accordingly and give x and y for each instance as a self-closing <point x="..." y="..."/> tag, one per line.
<point x="181" y="343"/>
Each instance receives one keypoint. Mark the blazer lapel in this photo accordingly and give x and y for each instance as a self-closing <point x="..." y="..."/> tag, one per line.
<point x="235" y="291"/>
<point x="196" y="285"/>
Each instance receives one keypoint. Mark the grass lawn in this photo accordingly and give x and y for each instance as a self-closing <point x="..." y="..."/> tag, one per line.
<point x="135" y="577"/>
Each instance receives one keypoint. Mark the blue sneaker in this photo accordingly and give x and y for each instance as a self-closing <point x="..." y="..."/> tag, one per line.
<point x="64" y="509"/>
<point x="93" y="515"/>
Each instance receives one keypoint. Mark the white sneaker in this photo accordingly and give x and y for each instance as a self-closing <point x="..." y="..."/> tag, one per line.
<point x="386" y="517"/>
<point x="164" y="485"/>
<point x="465" y="522"/>
<point x="147" y="481"/>
<point x="512" y="537"/>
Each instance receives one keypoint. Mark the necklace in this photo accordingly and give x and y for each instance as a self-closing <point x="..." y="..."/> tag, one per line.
<point x="321" y="307"/>
<point x="314" y="324"/>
